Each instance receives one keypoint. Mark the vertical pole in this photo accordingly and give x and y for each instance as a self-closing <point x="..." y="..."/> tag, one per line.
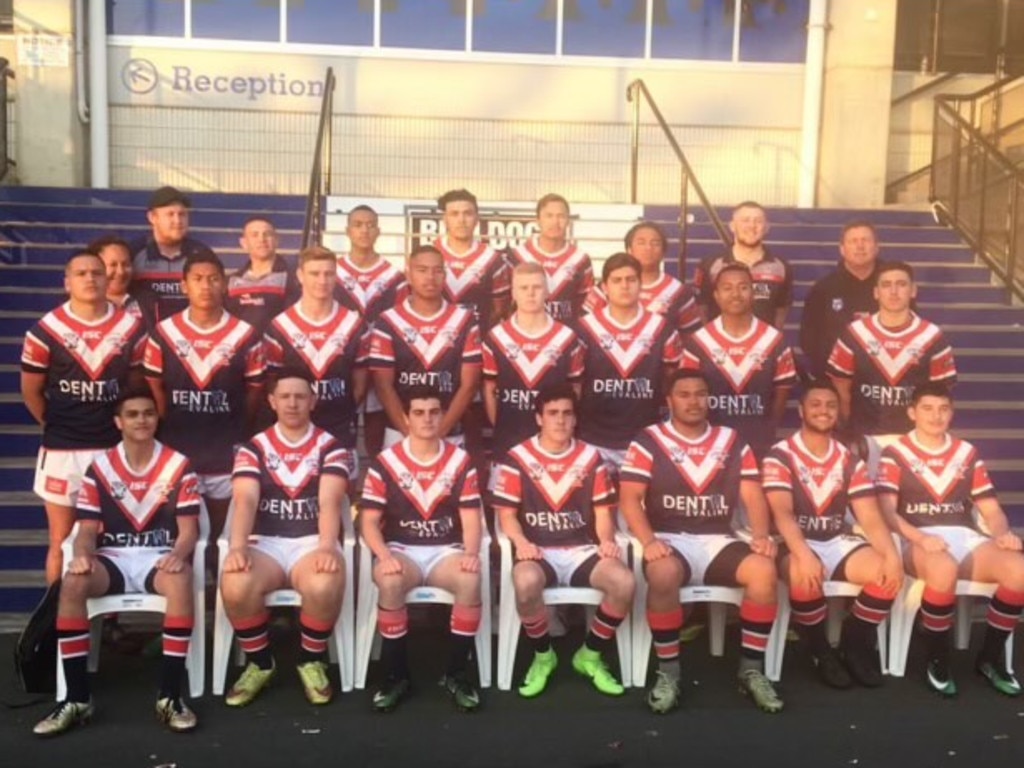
<point x="814" y="83"/>
<point x="684" y="187"/>
<point x="99" y="102"/>
<point x="633" y="94"/>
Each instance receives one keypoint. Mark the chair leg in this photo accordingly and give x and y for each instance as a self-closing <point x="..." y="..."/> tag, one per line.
<point x="776" y="650"/>
<point x="196" y="661"/>
<point x="95" y="641"/>
<point x="716" y="623"/>
<point x="962" y="636"/>
<point x="901" y="625"/>
<point x="223" y="635"/>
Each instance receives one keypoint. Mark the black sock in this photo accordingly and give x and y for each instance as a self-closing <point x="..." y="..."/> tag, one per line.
<point x="394" y="657"/>
<point x="460" y="646"/>
<point x="73" y="646"/>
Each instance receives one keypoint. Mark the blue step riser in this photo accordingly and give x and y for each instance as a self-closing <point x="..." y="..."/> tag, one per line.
<point x="22" y="558"/>
<point x="1011" y="338"/>
<point x="1005" y="480"/>
<point x="18" y="445"/>
<point x="16" y="479"/>
<point x="997" y="364"/>
<point x="58" y="255"/>
<point x="79" y="236"/>
<point x="20" y="599"/>
<point x="786" y="233"/>
<point x="989" y="390"/>
<point x="24" y="517"/>
<point x="835" y="217"/>
<point x="14" y="413"/>
<point x="115" y="218"/>
<point x="801" y="251"/>
<point x="140" y="198"/>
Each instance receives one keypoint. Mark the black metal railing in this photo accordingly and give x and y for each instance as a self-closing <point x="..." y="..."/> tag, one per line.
<point x="636" y="91"/>
<point x="6" y="163"/>
<point x="320" y="175"/>
<point x="980" y="191"/>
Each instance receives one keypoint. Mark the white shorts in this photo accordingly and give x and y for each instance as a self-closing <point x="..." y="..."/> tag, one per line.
<point x="59" y="474"/>
<point x="392" y="436"/>
<point x="565" y="561"/>
<point x="426" y="556"/>
<point x="215" y="486"/>
<point x="135" y="564"/>
<point x="699" y="550"/>
<point x="284" y="551"/>
<point x="835" y="550"/>
<point x="876" y="444"/>
<point x="960" y="539"/>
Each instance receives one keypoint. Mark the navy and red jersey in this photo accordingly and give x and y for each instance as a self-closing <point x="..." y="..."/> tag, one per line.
<point x="569" y="272"/>
<point x="665" y="296"/>
<point x="368" y="291"/>
<point x="743" y="374"/>
<point x="138" y="509"/>
<point x="691" y="486"/>
<point x="330" y="349"/>
<point x="289" y="477"/>
<point x="419" y="501"/>
<point x="884" y="365"/>
<point x="934" y="487"/>
<point x="259" y="299"/>
<point x="156" y="279"/>
<point x="772" y="284"/>
<point x="86" y="364"/>
<point x="821" y="488"/>
<point x="554" y="494"/>
<point x="624" y="372"/>
<point x="425" y="350"/>
<point x="521" y="365"/>
<point x="205" y="373"/>
<point x="475" y="279"/>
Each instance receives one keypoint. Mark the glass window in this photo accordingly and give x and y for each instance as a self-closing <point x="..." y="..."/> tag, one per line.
<point x="330" y="23"/>
<point x="432" y="24"/>
<point x="604" y="27"/>
<point x="145" y="17"/>
<point x="774" y="30"/>
<point x="237" y="19"/>
<point x="692" y="29"/>
<point x="515" y="26"/>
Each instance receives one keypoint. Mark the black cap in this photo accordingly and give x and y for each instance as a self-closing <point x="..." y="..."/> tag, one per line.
<point x="168" y="196"/>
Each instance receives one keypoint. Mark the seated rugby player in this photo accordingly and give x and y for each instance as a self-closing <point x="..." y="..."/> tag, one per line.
<point x="289" y="488"/>
<point x="930" y="485"/>
<point x="680" y="485"/>
<point x="138" y="522"/>
<point x="420" y="517"/>
<point x="810" y="480"/>
<point x="555" y="500"/>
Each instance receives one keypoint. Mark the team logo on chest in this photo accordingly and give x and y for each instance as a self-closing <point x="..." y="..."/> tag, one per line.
<point x="92" y="347"/>
<point x="203" y="355"/>
<point x="139" y="497"/>
<point x="556" y="477"/>
<point x="561" y="269"/>
<point x="894" y="356"/>
<point x="626" y="348"/>
<point x="465" y="272"/>
<point x="821" y="481"/>
<point x="938" y="474"/>
<point x="532" y="358"/>
<point x="291" y="468"/>
<point x="737" y="360"/>
<point x="318" y="345"/>
<point x="426" y="487"/>
<point x="363" y="288"/>
<point x="431" y="339"/>
<point x="698" y="463"/>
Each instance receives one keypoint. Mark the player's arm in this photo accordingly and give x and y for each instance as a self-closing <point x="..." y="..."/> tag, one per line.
<point x="998" y="526"/>
<point x="780" y="396"/>
<point x="156" y="386"/>
<point x="472" y="535"/>
<point x="255" y="397"/>
<point x="812" y="329"/>
<point x="604" y="526"/>
<point x="807" y="569"/>
<point x="83" y="548"/>
<point x="184" y="544"/>
<point x="384" y="383"/>
<point x="780" y="317"/>
<point x="469" y="382"/>
<point x="490" y="393"/>
<point x="508" y="518"/>
<point x="631" y="505"/>
<point x="333" y="494"/>
<point x="876" y="530"/>
<point x="845" y="389"/>
<point x="499" y="309"/>
<point x="33" y="389"/>
<point x="360" y="383"/>
<point x="245" y="495"/>
<point x="759" y="517"/>
<point x="887" y="502"/>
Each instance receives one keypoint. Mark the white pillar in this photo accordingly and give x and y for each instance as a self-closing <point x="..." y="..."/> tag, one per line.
<point x="814" y="82"/>
<point x="99" y="103"/>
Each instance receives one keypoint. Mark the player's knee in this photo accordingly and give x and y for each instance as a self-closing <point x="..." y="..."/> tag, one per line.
<point x="761" y="570"/>
<point x="664" y="575"/>
<point x="467" y="587"/>
<point x="237" y="587"/>
<point x="528" y="581"/>
<point x="322" y="588"/>
<point x="941" y="572"/>
<point x="74" y="589"/>
<point x="621" y="586"/>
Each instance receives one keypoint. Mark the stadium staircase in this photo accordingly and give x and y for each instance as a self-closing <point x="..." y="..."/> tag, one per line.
<point x="39" y="226"/>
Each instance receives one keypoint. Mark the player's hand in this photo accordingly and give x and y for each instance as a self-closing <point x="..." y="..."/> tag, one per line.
<point x="807" y="572"/>
<point x="237" y="561"/>
<point x="82" y="565"/>
<point x="655" y="550"/>
<point x="764" y="545"/>
<point x="470" y="563"/>
<point x="1008" y="540"/>
<point x="609" y="549"/>
<point x="890" y="574"/>
<point x="390" y="566"/>
<point x="326" y="560"/>
<point x="528" y="551"/>
<point x="170" y="563"/>
<point x="932" y="544"/>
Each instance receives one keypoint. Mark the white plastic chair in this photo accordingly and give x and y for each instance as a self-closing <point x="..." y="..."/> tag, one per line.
<point x="343" y="646"/>
<point x="367" y="638"/>
<point x="137" y="602"/>
<point x="509" y="622"/>
<point x="909" y="602"/>
<point x="834" y="592"/>
<point x="717" y="598"/>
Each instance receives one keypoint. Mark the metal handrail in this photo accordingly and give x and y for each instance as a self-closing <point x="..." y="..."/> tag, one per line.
<point x="924" y="88"/>
<point x="320" y="175"/>
<point x="634" y="91"/>
<point x="6" y="163"/>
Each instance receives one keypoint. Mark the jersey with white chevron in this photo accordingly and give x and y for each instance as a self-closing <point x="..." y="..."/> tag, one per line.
<point x="205" y="375"/>
<point x="368" y="291"/>
<point x="743" y="374"/>
<point x="569" y="272"/>
<point x="521" y="365"/>
<point x="624" y="367"/>
<point x="934" y="487"/>
<point x="258" y="299"/>
<point x="475" y="279"/>
<point x="138" y="509"/>
<point x="665" y="296"/>
<point x="86" y="364"/>
<point x="691" y="486"/>
<point x="420" y="500"/>
<point x="330" y="349"/>
<point x="554" y="494"/>
<point x="885" y="365"/>
<point x="289" y="476"/>
<point x="425" y="350"/>
<point x="821" y="488"/>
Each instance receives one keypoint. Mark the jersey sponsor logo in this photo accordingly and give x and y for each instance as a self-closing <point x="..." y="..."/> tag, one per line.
<point x="91" y="346"/>
<point x="556" y="477"/>
<point x="318" y="345"/>
<point x="139" y="497"/>
<point x="291" y="467"/>
<point x="532" y="358"/>
<point x="698" y="463"/>
<point x="737" y="360"/>
<point x="894" y="355"/>
<point x="366" y="287"/>
<point x="203" y="355"/>
<point x="425" y="487"/>
<point x="626" y="348"/>
<point x="938" y="473"/>
<point x="837" y="304"/>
